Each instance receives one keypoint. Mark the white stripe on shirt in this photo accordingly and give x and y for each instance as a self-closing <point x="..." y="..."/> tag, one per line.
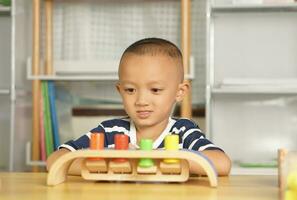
<point x="206" y="146"/>
<point x="194" y="142"/>
<point x="67" y="147"/>
<point x="177" y="131"/>
<point x="117" y="129"/>
<point x="189" y="132"/>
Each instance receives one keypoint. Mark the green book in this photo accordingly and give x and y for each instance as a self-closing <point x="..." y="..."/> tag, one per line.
<point x="49" y="145"/>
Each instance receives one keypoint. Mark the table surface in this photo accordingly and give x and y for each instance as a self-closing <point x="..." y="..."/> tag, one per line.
<point x="31" y="186"/>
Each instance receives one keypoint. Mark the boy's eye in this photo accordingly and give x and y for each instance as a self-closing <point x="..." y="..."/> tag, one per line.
<point x="156" y="90"/>
<point x="129" y="90"/>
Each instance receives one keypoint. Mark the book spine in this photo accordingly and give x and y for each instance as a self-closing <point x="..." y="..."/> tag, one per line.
<point x="54" y="120"/>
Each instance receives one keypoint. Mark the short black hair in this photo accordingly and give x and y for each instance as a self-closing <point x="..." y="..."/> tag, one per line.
<point x="155" y="46"/>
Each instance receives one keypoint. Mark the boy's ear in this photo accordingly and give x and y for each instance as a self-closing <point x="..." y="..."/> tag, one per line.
<point x="183" y="89"/>
<point x="118" y="87"/>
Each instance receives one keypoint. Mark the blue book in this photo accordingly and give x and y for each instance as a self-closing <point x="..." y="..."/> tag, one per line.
<point x="54" y="119"/>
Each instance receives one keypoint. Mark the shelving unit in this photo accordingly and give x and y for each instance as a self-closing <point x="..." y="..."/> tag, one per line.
<point x="7" y="87"/>
<point x="4" y="91"/>
<point x="35" y="74"/>
<point x="255" y="7"/>
<point x="251" y="80"/>
<point x="4" y="10"/>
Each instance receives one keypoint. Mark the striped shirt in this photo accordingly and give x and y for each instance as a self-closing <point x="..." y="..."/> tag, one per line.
<point x="190" y="135"/>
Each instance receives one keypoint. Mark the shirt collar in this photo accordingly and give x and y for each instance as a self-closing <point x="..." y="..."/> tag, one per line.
<point x="158" y="141"/>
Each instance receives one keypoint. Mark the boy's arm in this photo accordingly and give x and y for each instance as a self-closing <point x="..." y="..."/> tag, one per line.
<point x="220" y="160"/>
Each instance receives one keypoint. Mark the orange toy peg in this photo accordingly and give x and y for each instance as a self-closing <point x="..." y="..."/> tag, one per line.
<point x="96" y="143"/>
<point x="121" y="142"/>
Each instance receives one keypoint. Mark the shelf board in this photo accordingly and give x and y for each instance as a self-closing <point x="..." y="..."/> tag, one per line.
<point x="4" y="10"/>
<point x="4" y="91"/>
<point x="254" y="90"/>
<point x="76" y="71"/>
<point x="73" y="77"/>
<point x="255" y="85"/>
<point x="255" y="7"/>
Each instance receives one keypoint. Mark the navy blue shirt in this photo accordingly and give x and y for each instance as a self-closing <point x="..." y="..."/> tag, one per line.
<point x="190" y="135"/>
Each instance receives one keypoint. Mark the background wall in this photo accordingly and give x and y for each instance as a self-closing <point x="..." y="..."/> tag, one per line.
<point x="93" y="34"/>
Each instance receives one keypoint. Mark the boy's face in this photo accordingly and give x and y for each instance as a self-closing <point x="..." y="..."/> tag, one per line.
<point x="149" y="86"/>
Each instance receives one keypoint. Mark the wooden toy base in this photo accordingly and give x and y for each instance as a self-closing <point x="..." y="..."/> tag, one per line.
<point x="108" y="170"/>
<point x="96" y="166"/>
<point x="120" y="167"/>
<point x="172" y="168"/>
<point x="139" y="174"/>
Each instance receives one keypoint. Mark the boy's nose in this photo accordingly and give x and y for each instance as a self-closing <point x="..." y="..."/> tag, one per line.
<point x="141" y="99"/>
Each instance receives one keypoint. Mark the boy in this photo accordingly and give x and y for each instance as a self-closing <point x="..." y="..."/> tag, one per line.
<point x="150" y="83"/>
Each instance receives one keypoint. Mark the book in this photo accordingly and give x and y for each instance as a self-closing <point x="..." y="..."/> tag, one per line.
<point x="47" y="120"/>
<point x="53" y="111"/>
<point x="41" y="125"/>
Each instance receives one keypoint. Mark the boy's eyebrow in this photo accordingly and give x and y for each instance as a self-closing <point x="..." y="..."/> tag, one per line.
<point x="131" y="82"/>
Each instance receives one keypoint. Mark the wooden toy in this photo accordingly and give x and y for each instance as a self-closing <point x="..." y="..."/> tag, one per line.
<point x="292" y="180"/>
<point x="121" y="143"/>
<point x="287" y="174"/>
<point x="171" y="166"/>
<point x="58" y="171"/>
<point x="146" y="165"/>
<point x="120" y="165"/>
<point x="171" y="143"/>
<point x="96" y="164"/>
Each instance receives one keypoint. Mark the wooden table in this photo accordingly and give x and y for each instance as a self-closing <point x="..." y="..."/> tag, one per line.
<point x="23" y="186"/>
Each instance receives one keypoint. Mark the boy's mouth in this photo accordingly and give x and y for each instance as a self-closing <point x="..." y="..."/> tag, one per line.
<point x="143" y="114"/>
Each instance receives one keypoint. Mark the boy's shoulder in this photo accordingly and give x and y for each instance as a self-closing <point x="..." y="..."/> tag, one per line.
<point x="184" y="122"/>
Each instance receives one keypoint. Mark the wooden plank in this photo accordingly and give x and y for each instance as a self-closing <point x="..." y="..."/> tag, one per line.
<point x="49" y="37"/>
<point x="186" y="105"/>
<point x="35" y="83"/>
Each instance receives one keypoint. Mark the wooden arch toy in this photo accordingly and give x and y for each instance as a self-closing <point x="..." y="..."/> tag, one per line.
<point x="58" y="171"/>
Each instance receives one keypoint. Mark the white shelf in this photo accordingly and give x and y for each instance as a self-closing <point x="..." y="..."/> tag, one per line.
<point x="251" y="84"/>
<point x="254" y="7"/>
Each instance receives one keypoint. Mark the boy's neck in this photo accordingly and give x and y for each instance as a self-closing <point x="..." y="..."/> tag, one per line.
<point x="150" y="132"/>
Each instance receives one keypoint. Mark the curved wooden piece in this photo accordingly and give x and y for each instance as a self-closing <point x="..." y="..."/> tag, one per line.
<point x="58" y="171"/>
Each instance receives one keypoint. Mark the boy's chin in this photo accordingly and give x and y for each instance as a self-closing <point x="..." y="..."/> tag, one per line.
<point x="143" y="122"/>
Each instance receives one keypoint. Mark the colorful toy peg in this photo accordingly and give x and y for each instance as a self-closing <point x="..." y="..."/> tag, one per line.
<point x="147" y="145"/>
<point x="96" y="143"/>
<point x="121" y="143"/>
<point x="292" y="181"/>
<point x="171" y="143"/>
<point x="290" y="195"/>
